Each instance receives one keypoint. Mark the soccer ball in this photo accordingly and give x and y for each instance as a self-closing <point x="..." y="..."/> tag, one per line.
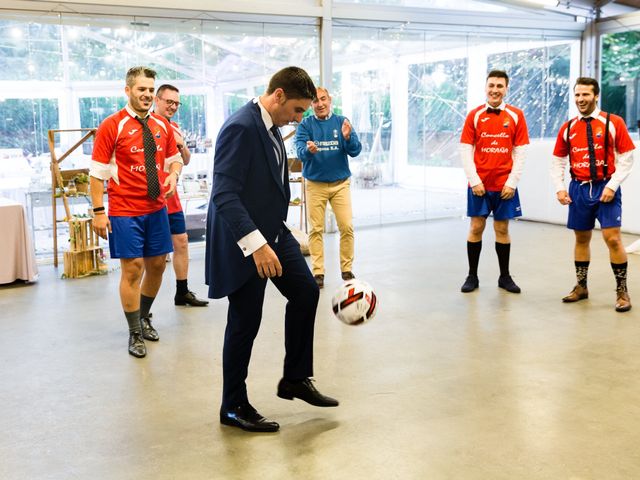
<point x="354" y="302"/>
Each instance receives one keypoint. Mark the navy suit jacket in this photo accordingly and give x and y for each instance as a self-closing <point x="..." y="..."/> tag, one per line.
<point x="248" y="194"/>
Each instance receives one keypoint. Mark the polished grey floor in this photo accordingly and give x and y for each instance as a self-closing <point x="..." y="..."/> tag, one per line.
<point x="440" y="385"/>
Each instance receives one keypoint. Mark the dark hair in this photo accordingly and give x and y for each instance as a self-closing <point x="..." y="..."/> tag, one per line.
<point x="588" y="81"/>
<point x="166" y="86"/>
<point x="295" y="82"/>
<point x="499" y="74"/>
<point x="139" y="71"/>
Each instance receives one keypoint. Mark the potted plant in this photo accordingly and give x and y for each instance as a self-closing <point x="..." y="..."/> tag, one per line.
<point x="82" y="183"/>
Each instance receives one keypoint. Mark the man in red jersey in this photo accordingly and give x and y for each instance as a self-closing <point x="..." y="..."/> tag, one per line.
<point x="167" y="102"/>
<point x="130" y="147"/>
<point x="599" y="151"/>
<point x="492" y="146"/>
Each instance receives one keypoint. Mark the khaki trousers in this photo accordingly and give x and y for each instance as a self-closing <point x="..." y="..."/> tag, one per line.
<point x="338" y="194"/>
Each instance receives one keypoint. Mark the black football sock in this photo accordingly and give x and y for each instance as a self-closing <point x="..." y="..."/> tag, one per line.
<point x="473" y="253"/>
<point x="503" y="250"/>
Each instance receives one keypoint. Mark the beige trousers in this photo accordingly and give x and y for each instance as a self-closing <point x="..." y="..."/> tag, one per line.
<point x="338" y="194"/>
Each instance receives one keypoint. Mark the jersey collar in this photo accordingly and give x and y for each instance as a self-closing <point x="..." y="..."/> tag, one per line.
<point x="594" y="114"/>
<point x="134" y="114"/>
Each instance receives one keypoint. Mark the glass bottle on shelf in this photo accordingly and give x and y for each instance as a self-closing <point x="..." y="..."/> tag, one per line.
<point x="71" y="188"/>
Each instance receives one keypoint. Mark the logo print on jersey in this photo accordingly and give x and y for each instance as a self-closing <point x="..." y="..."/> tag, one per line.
<point x="506" y="124"/>
<point x="598" y="133"/>
<point x="335" y="133"/>
<point x="157" y="134"/>
<point x="572" y="135"/>
<point x="484" y="119"/>
<point x="132" y="131"/>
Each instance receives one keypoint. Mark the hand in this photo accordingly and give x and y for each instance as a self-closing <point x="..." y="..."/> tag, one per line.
<point x="507" y="193"/>
<point x="479" y="190"/>
<point x="312" y="147"/>
<point x="607" y="195"/>
<point x="563" y="197"/>
<point x="346" y="129"/>
<point x="170" y="184"/>
<point x="267" y="262"/>
<point x="101" y="225"/>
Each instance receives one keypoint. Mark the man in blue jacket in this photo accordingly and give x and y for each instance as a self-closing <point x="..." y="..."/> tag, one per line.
<point x="323" y="142"/>
<point x="248" y="242"/>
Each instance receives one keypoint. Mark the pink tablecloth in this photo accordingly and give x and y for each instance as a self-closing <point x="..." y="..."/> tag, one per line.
<point x="17" y="257"/>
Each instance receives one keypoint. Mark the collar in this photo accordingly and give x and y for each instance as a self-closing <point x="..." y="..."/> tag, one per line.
<point x="594" y="114"/>
<point x="134" y="114"/>
<point x="502" y="106"/>
<point x="323" y="119"/>
<point x="266" y="118"/>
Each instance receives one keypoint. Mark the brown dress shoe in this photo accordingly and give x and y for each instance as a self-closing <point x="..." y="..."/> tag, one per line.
<point x="623" y="302"/>
<point x="578" y="293"/>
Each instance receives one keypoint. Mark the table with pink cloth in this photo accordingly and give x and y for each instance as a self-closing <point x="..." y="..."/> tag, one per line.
<point x="17" y="257"/>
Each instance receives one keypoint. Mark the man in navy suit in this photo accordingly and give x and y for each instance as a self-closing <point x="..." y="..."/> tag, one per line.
<point x="248" y="243"/>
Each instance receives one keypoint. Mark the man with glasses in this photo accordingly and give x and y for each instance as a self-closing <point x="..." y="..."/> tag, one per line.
<point x="131" y="147"/>
<point x="599" y="151"/>
<point x="167" y="102"/>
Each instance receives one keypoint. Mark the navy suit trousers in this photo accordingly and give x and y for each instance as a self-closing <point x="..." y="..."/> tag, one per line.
<point x="298" y="286"/>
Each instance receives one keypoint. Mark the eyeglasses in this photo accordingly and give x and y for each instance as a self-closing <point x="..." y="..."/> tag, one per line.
<point x="170" y="103"/>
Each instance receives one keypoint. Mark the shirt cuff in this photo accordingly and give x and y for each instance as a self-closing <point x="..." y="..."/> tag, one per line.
<point x="169" y="160"/>
<point x="251" y="242"/>
<point x="100" y="170"/>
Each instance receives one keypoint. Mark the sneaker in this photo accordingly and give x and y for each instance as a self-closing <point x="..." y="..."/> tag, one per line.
<point x="506" y="282"/>
<point x="348" y="276"/>
<point x="319" y="280"/>
<point x="470" y="284"/>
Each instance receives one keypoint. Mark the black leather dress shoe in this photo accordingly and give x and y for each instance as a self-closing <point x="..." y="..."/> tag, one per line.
<point x="304" y="390"/>
<point x="506" y="282"/>
<point x="190" y="298"/>
<point x="136" y="345"/>
<point x="247" y="418"/>
<point x="470" y="284"/>
<point x="148" y="332"/>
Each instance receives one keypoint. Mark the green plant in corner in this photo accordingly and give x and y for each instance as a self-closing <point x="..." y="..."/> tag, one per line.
<point x="81" y="178"/>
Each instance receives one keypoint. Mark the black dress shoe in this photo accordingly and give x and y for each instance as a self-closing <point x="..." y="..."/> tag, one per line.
<point x="136" y="345"/>
<point x="506" y="282"/>
<point x="190" y="298"/>
<point x="304" y="390"/>
<point x="470" y="284"/>
<point x="247" y="418"/>
<point x="148" y="332"/>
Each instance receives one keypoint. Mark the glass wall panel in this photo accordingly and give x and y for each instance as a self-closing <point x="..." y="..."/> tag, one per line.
<point x="70" y="74"/>
<point x="621" y="76"/>
<point x="538" y="84"/>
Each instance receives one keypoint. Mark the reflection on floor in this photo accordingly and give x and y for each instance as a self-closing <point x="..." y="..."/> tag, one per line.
<point x="487" y="385"/>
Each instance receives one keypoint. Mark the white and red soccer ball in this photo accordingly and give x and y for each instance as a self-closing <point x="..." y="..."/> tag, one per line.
<point x="354" y="303"/>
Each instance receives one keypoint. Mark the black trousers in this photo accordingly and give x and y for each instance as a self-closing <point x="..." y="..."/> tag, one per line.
<point x="245" y="313"/>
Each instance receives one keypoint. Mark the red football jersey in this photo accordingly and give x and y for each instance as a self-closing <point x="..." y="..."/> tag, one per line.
<point x="119" y="138"/>
<point x="494" y="136"/>
<point x="173" y="202"/>
<point x="619" y="141"/>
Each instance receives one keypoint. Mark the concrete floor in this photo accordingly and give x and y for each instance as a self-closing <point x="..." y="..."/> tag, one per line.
<point x="440" y="385"/>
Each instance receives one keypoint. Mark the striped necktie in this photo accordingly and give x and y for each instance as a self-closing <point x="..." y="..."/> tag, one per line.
<point x="278" y="144"/>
